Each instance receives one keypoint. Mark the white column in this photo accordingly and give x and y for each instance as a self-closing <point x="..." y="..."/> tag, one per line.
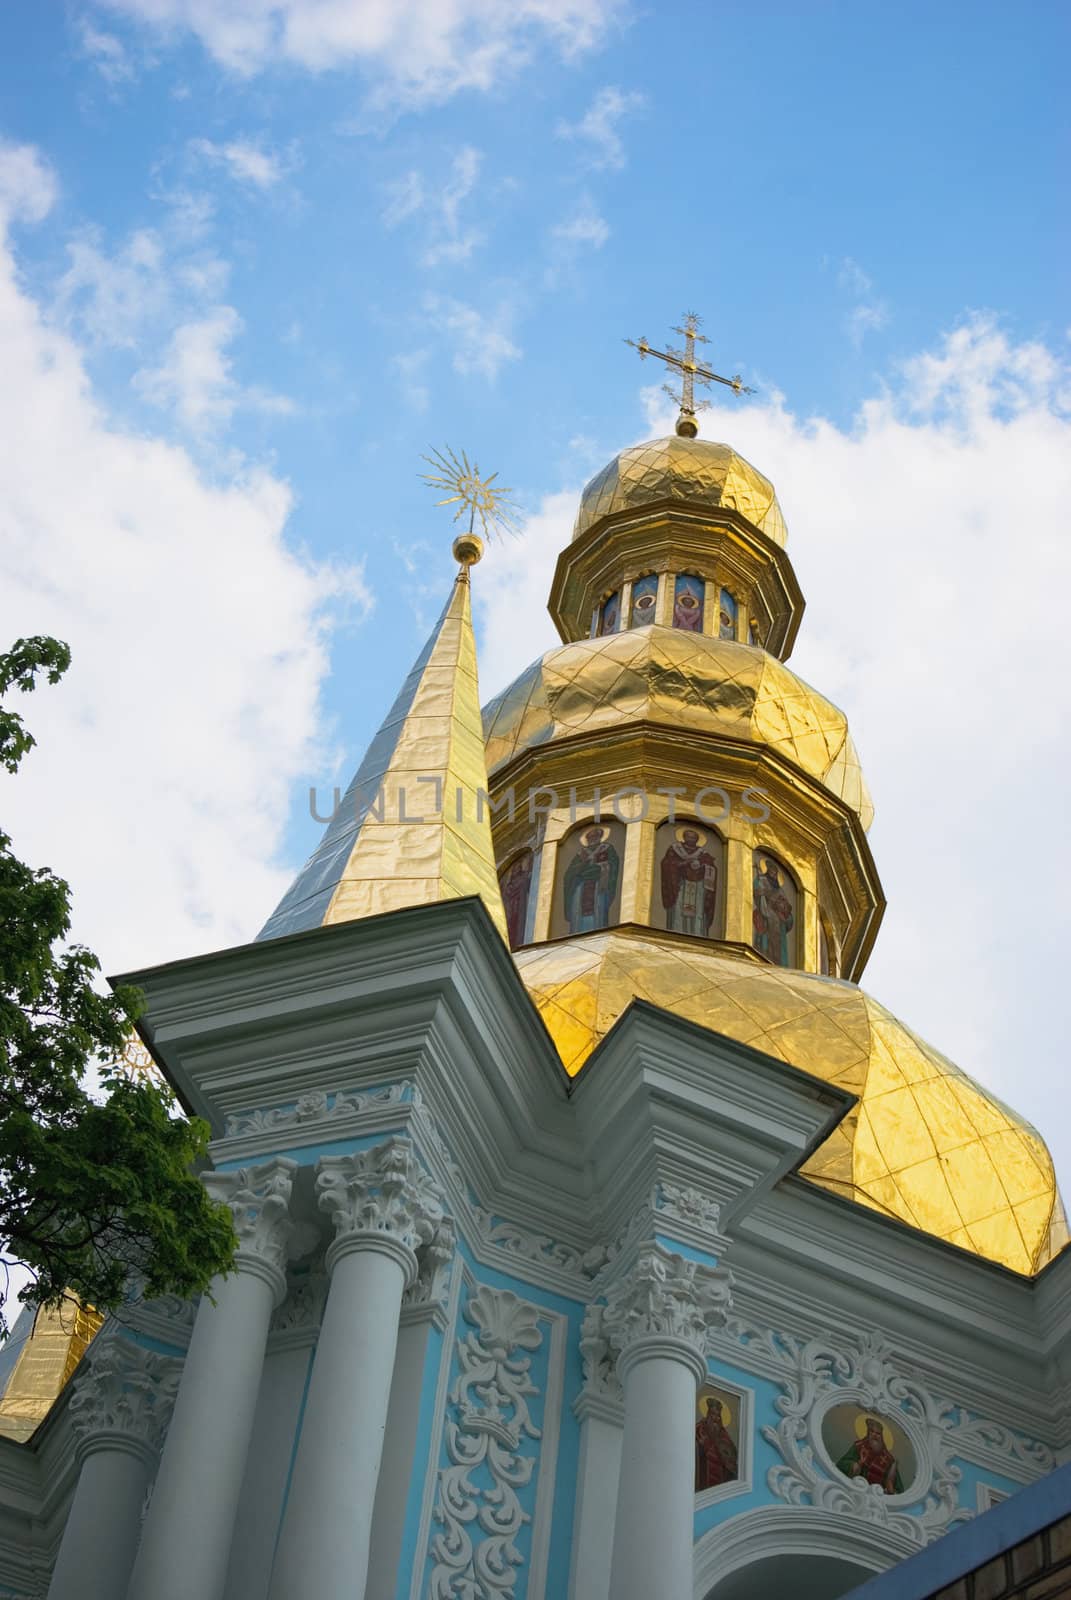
<point x="657" y="1320"/>
<point x="383" y="1206"/>
<point x="187" y="1536"/>
<point x="119" y="1409"/>
<point x="423" y="1308"/>
<point x="601" y="1415"/>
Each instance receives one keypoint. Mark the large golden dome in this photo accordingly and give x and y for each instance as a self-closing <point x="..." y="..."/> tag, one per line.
<point x="695" y="470"/>
<point x="924" y="1144"/>
<point x="684" y="681"/>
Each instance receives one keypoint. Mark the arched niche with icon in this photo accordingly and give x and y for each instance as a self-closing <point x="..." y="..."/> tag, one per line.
<point x="689" y="874"/>
<point x="515" y="885"/>
<point x="644" y="601"/>
<point x="587" y="882"/>
<point x="774" y="910"/>
<point x="689" y="595"/>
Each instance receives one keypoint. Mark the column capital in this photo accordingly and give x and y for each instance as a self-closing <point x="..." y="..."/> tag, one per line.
<point x="121" y="1398"/>
<point x="380" y="1197"/>
<point x="258" y="1199"/>
<point x="427" y="1294"/>
<point x="665" y="1307"/>
<point x="602" y="1394"/>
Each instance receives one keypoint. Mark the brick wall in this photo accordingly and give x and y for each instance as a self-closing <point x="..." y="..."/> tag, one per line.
<point x="1037" y="1569"/>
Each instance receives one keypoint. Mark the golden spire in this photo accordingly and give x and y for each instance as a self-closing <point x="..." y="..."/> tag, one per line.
<point x="57" y="1341"/>
<point x="691" y="371"/>
<point x="414" y="826"/>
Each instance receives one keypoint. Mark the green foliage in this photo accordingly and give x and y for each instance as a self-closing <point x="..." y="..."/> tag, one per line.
<point x="94" y="1183"/>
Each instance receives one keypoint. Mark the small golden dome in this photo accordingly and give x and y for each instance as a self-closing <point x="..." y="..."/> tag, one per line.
<point x="695" y="471"/>
<point x="924" y="1144"/>
<point x="683" y="681"/>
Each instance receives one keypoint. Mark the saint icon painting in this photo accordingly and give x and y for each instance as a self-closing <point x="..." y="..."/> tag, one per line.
<point x="516" y="884"/>
<point x="686" y="890"/>
<point x="773" y="910"/>
<point x="868" y="1447"/>
<point x="591" y="877"/>
<point x="717" y="1439"/>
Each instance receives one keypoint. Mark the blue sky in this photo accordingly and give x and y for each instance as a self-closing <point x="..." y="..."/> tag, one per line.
<point x="260" y="256"/>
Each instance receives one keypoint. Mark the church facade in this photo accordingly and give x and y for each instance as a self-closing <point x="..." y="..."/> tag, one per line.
<point x="599" y="1237"/>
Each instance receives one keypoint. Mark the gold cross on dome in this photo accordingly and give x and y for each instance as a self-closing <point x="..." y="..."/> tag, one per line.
<point x="691" y="371"/>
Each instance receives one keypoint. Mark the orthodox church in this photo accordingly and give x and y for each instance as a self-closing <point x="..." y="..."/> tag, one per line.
<point x="599" y="1237"/>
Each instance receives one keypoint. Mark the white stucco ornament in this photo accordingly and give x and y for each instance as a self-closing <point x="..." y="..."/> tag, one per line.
<point x="475" y="1556"/>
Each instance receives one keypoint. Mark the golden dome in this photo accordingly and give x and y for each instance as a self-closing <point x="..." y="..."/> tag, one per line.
<point x="924" y="1143"/>
<point x="694" y="470"/>
<point x="685" y="681"/>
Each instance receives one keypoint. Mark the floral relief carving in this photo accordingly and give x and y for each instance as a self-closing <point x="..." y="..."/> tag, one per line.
<point x="435" y="1260"/>
<point x="491" y="1452"/>
<point x="380" y="1190"/>
<point x="317" y="1105"/>
<point x="123" y="1388"/>
<point x="597" y="1355"/>
<point x="304" y="1303"/>
<point x="666" y="1295"/>
<point x="258" y="1199"/>
<point x="819" y="1376"/>
<point x="685" y="1203"/>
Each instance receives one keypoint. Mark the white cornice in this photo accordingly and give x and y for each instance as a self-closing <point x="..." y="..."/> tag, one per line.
<point x="561" y="1170"/>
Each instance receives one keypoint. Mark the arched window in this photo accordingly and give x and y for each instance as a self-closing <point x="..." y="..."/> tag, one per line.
<point x="726" y="615"/>
<point x="688" y="596"/>
<point x="515" y="883"/>
<point x="688" y="877"/>
<point x="587" y="891"/>
<point x="773" y="909"/>
<point x="644" y="599"/>
<point x="609" y="615"/>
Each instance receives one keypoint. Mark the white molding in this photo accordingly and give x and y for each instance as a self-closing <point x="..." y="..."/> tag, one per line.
<point x="461" y="1278"/>
<point x="987" y="1496"/>
<point x="792" y="1531"/>
<point x="543" y="1511"/>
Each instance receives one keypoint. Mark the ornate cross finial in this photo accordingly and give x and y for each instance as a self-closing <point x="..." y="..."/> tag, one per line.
<point x="480" y="497"/>
<point x="691" y="371"/>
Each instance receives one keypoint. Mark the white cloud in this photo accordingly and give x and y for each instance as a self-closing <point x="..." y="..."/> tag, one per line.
<point x="247" y="161"/>
<point x="27" y="184"/>
<point x="870" y="313"/>
<point x="584" y="227"/>
<point x="405" y="197"/>
<point x="416" y="50"/>
<point x="113" y="298"/>
<point x="196" y="377"/>
<point x="481" y="343"/>
<point x="928" y="538"/>
<point x="598" y="127"/>
<point x="107" y="53"/>
<point x="439" y="205"/>
<point x="455" y="242"/>
<point x="167" y="756"/>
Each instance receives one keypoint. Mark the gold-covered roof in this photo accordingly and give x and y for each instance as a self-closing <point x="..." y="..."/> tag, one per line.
<point x="924" y="1143"/>
<point x="410" y="829"/>
<point x="57" y="1341"/>
<point x="685" y="681"/>
<point x="697" y="471"/>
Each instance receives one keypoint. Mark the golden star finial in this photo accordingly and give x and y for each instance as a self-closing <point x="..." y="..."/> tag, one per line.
<point x="480" y="497"/>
